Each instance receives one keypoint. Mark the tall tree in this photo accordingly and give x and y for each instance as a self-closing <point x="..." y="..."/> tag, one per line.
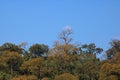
<point x="12" y="60"/>
<point x="10" y="47"/>
<point x="65" y="35"/>
<point x="63" y="45"/>
<point x="115" y="47"/>
<point x="35" y="66"/>
<point x="65" y="49"/>
<point x="37" y="50"/>
<point x="90" y="50"/>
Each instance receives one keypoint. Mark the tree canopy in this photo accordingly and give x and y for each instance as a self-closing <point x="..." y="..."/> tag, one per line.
<point x="63" y="61"/>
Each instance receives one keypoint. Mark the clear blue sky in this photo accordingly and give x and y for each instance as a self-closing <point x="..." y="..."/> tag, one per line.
<point x="39" y="21"/>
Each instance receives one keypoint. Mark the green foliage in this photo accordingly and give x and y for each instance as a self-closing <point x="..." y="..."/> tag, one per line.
<point x="90" y="48"/>
<point x="37" y="50"/>
<point x="11" y="47"/>
<point x="115" y="47"/>
<point x="65" y="61"/>
<point x="4" y="76"/>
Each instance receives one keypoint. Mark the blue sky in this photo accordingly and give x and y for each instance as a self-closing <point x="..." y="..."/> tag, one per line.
<point x="39" y="21"/>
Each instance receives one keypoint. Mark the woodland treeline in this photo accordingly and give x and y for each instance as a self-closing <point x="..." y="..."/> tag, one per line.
<point x="64" y="61"/>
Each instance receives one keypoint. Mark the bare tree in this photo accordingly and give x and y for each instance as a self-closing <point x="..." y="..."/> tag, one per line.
<point x="22" y="45"/>
<point x="65" y="35"/>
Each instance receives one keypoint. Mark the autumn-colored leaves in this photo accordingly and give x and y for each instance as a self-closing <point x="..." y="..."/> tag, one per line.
<point x="64" y="61"/>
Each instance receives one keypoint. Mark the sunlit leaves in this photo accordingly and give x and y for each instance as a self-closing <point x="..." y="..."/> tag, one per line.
<point x="11" y="61"/>
<point x="35" y="66"/>
<point x="24" y="77"/>
<point x="109" y="71"/>
<point x="66" y="76"/>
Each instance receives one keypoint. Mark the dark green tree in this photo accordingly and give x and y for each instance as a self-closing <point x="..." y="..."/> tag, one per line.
<point x="90" y="48"/>
<point x="11" y="47"/>
<point x="37" y="50"/>
<point x="115" y="47"/>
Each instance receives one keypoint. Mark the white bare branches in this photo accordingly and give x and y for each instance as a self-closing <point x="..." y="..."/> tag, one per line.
<point x="65" y="35"/>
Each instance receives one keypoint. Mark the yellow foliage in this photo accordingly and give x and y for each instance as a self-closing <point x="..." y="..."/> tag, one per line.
<point x="24" y="77"/>
<point x="35" y="66"/>
<point x="66" y="76"/>
<point x="109" y="71"/>
<point x="113" y="77"/>
<point x="45" y="79"/>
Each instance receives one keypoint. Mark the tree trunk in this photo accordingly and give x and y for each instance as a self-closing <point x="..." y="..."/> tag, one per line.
<point x="11" y="71"/>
